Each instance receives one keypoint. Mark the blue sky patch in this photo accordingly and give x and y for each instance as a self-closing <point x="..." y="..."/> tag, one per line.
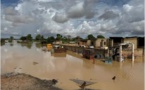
<point x="9" y="2"/>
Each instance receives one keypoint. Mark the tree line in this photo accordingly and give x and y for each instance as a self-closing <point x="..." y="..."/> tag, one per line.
<point x="50" y="39"/>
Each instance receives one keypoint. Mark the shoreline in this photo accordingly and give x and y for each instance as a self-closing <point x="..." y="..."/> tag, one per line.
<point x="22" y="81"/>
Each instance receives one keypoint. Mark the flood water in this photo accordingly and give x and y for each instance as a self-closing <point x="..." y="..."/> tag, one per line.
<point x="30" y="59"/>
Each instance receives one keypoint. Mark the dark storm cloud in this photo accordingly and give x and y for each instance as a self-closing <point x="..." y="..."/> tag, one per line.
<point x="60" y="17"/>
<point x="109" y="15"/>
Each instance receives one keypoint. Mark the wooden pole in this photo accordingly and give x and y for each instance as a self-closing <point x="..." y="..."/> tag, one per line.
<point x="133" y="52"/>
<point x="120" y="54"/>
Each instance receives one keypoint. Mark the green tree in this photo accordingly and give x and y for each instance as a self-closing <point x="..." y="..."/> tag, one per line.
<point x="100" y="36"/>
<point x="23" y="38"/>
<point x="64" y="38"/>
<point x="50" y="39"/>
<point x="90" y="37"/>
<point x="2" y="42"/>
<point x="11" y="39"/>
<point x="38" y="37"/>
<point x="77" y="38"/>
<point x="42" y="38"/>
<point x="59" y="37"/>
<point x="69" y="37"/>
<point x="29" y="37"/>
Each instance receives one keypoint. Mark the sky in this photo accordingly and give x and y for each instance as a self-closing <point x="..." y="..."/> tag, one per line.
<point x="72" y="17"/>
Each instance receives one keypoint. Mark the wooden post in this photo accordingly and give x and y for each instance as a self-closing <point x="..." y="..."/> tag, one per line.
<point x="120" y="54"/>
<point x="133" y="52"/>
<point x="143" y="54"/>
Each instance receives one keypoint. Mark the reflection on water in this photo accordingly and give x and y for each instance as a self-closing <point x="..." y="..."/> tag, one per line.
<point x="38" y="45"/>
<point x="26" y="44"/>
<point x="2" y="43"/>
<point x="32" y="60"/>
<point x="11" y="44"/>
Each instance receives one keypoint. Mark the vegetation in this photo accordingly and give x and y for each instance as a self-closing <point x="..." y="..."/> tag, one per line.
<point x="11" y="39"/>
<point x="50" y="39"/>
<point x="26" y="38"/>
<point x="29" y="37"/>
<point x="2" y="42"/>
<point x="100" y="36"/>
<point x="91" y="37"/>
<point x="59" y="37"/>
<point x="76" y="39"/>
<point x="38" y="37"/>
<point x="23" y="38"/>
<point x="64" y="39"/>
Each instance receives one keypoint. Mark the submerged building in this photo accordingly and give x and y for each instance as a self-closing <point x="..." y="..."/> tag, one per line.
<point x="137" y="41"/>
<point x="112" y="42"/>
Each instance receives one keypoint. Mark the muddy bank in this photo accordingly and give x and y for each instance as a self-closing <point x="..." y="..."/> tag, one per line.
<point x="21" y="81"/>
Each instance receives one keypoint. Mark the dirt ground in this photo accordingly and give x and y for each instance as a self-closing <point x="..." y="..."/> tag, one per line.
<point x="21" y="81"/>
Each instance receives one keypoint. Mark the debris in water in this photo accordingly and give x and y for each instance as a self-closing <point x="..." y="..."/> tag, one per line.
<point x="82" y="84"/>
<point x="114" y="78"/>
<point x="34" y="63"/>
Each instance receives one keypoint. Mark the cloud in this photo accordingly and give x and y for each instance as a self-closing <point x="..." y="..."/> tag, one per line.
<point x="132" y="18"/>
<point x="134" y="13"/>
<point x="10" y="11"/>
<point x="138" y="28"/>
<point x="74" y="17"/>
<point x="60" y="17"/>
<point x="127" y="7"/>
<point x="89" y="7"/>
<point x="76" y="11"/>
<point x="109" y="15"/>
<point x="18" y="19"/>
<point x="83" y="9"/>
<point x="44" y="1"/>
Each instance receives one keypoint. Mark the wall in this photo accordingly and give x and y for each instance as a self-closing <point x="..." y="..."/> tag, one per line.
<point x="137" y="52"/>
<point x="98" y="43"/>
<point x="88" y="42"/>
<point x="81" y="43"/>
<point x="132" y="40"/>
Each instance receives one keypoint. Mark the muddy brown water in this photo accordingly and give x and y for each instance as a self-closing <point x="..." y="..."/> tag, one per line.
<point x="32" y="60"/>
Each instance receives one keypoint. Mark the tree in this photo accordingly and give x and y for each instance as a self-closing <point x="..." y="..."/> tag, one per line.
<point x="90" y="37"/>
<point x="64" y="39"/>
<point x="77" y="38"/>
<point x="23" y="38"/>
<point x="69" y="37"/>
<point x="29" y="37"/>
<point x="59" y="37"/>
<point x="100" y="36"/>
<point x="38" y="37"/>
<point x="11" y="39"/>
<point x="42" y="38"/>
<point x="2" y="41"/>
<point x="50" y="39"/>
